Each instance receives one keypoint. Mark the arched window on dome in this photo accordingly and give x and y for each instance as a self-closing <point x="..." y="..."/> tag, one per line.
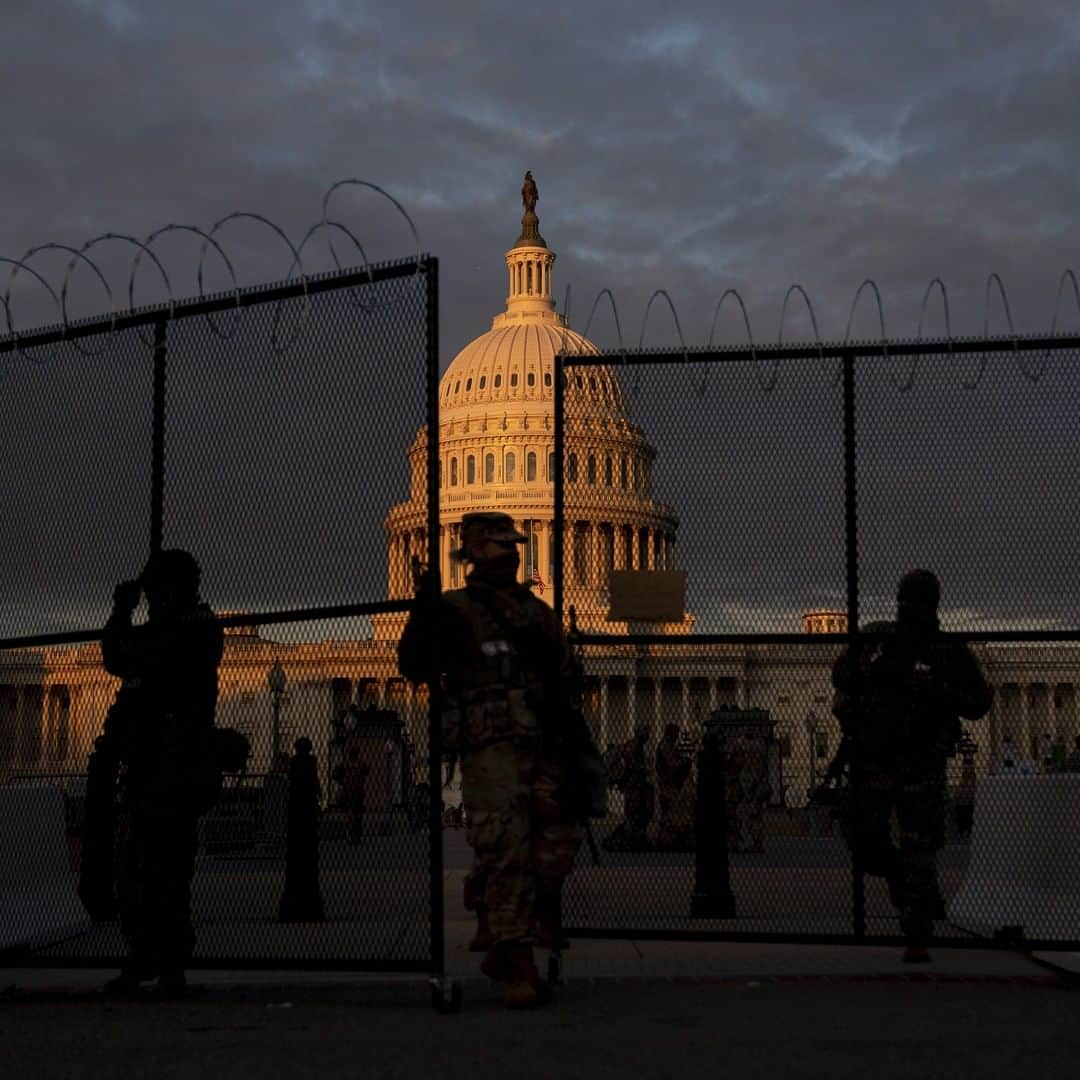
<point x="551" y="467"/>
<point x="592" y="383"/>
<point x="510" y="468"/>
<point x="453" y="472"/>
<point x="643" y="548"/>
<point x="483" y="381"/>
<point x="530" y="467"/>
<point x="547" y="378"/>
<point x="489" y="468"/>
<point x="498" y="381"/>
<point x="528" y="278"/>
<point x="468" y="385"/>
<point x="609" y="471"/>
<point x="440" y="473"/>
<point x="513" y="378"/>
<point x="624" y="473"/>
<point x="470" y="470"/>
<point x="457" y="386"/>
<point x="580" y="382"/>
<point x="628" y="546"/>
<point x="571" y="469"/>
<point x="590" y="470"/>
<point x="530" y="379"/>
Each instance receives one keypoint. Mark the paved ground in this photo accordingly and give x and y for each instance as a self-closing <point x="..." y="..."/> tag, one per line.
<point x="627" y="1007"/>
<point x="599" y="1028"/>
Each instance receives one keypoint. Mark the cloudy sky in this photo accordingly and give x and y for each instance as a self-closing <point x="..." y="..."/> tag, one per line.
<point x="689" y="147"/>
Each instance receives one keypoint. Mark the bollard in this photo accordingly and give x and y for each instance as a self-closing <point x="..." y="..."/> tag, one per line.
<point x="97" y="862"/>
<point x="712" y="897"/>
<point x="302" y="899"/>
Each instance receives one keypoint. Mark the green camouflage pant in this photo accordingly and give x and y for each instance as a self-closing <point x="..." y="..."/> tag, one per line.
<point x="524" y="845"/>
<point x="919" y="802"/>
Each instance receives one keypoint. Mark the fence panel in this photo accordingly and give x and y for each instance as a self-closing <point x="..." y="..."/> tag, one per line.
<point x="744" y="478"/>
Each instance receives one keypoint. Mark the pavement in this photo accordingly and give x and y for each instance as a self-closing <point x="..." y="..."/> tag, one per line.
<point x="625" y="1006"/>
<point x="757" y="1011"/>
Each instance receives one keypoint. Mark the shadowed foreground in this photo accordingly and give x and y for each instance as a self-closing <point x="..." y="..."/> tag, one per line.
<point x="646" y="1028"/>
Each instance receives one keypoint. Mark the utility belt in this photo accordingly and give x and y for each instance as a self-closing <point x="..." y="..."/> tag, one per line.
<point x="489" y="715"/>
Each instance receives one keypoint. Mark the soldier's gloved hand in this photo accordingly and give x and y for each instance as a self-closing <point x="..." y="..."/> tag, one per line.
<point x="126" y="597"/>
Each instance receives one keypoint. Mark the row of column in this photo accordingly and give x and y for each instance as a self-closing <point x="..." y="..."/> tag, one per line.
<point x="530" y="277"/>
<point x="36" y="725"/>
<point x="591" y="549"/>
<point x="643" y="703"/>
<point x="1029" y="713"/>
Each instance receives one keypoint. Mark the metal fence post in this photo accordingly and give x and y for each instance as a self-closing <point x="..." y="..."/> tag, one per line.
<point x="157" y="460"/>
<point x="851" y="534"/>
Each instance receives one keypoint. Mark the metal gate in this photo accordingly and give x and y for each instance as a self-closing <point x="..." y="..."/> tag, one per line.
<point x="264" y="429"/>
<point x="725" y="521"/>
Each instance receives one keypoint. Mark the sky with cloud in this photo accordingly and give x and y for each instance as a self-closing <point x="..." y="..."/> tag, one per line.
<point x="693" y="147"/>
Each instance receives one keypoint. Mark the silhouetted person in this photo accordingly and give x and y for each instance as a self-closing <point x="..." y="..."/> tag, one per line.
<point x="352" y="775"/>
<point x="899" y="701"/>
<point x="675" y="793"/>
<point x="302" y="899"/>
<point x="169" y="672"/>
<point x="1073" y="762"/>
<point x="628" y="772"/>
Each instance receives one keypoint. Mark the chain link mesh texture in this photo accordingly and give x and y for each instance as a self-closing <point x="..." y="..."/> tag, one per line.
<point x="725" y="475"/>
<point x="287" y="416"/>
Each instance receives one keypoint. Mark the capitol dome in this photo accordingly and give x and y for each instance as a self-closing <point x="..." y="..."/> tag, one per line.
<point x="496" y="451"/>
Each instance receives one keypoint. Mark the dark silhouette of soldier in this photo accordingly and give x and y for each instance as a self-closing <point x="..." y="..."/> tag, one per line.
<point x="499" y="654"/>
<point x="899" y="701"/>
<point x="169" y="670"/>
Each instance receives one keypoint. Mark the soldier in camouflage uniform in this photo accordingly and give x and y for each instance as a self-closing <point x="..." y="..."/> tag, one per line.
<point x="899" y="701"/>
<point x="497" y="654"/>
<point x="169" y="671"/>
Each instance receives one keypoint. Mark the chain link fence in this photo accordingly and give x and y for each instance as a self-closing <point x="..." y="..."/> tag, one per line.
<point x="264" y="431"/>
<point x="725" y="521"/>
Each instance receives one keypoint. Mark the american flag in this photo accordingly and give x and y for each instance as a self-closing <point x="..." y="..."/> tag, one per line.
<point x="536" y="580"/>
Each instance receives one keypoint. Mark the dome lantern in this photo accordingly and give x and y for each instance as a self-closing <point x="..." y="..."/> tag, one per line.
<point x="528" y="264"/>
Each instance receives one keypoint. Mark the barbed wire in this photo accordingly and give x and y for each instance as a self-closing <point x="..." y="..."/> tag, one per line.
<point x="906" y="380"/>
<point x="209" y="240"/>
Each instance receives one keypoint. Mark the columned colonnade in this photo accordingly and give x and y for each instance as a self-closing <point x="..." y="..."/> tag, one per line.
<point x="590" y="550"/>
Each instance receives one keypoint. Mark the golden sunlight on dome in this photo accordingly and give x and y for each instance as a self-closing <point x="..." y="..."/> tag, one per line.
<point x="497" y="449"/>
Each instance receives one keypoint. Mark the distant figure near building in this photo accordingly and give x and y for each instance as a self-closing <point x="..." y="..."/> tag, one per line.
<point x="170" y="686"/>
<point x="628" y="772"/>
<point x="899" y="703"/>
<point x="674" y="765"/>
<point x="352" y="775"/>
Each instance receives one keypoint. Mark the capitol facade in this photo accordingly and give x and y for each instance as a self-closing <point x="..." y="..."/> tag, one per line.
<point x="496" y="437"/>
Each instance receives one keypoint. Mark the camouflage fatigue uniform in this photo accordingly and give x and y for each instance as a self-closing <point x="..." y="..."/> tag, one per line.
<point x="506" y="666"/>
<point x="899" y="705"/>
<point x="170" y="675"/>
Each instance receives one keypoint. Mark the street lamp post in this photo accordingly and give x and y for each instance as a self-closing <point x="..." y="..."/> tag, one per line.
<point x="277" y="682"/>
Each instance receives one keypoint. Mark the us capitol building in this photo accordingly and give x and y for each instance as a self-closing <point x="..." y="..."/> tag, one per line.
<point x="496" y="404"/>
